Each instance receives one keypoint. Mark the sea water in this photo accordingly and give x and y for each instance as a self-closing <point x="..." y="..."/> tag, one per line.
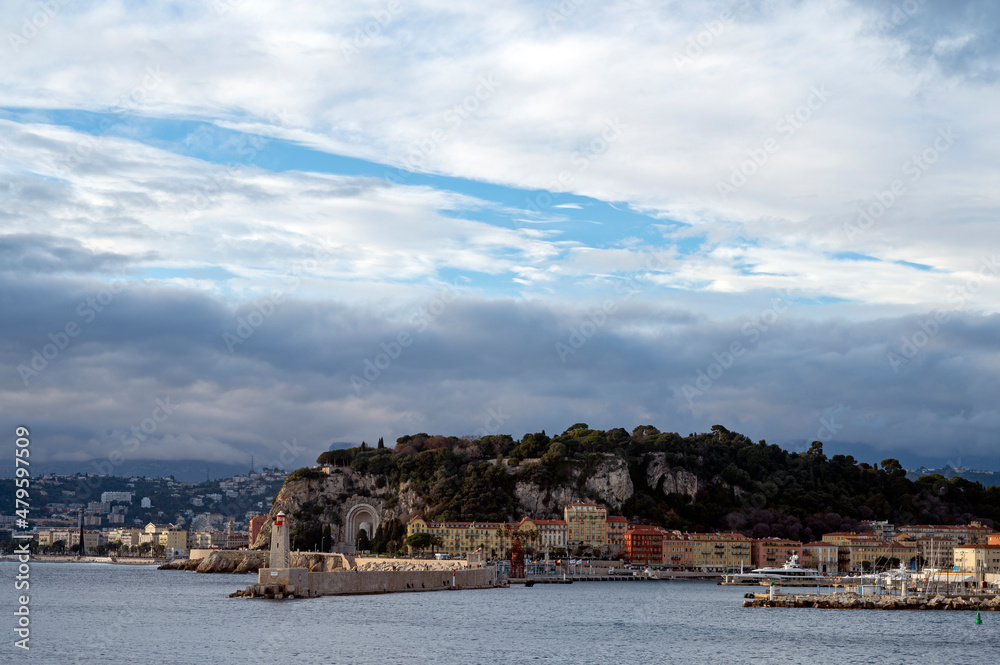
<point x="108" y="614"/>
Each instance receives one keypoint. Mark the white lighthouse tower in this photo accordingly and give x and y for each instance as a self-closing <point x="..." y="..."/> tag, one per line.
<point x="280" y="555"/>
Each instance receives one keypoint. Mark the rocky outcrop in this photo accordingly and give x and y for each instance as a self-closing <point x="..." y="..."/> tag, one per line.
<point x="329" y="497"/>
<point x="544" y="503"/>
<point x="609" y="484"/>
<point x="674" y="481"/>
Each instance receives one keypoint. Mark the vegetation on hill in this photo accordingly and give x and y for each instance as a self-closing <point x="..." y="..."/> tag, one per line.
<point x="753" y="487"/>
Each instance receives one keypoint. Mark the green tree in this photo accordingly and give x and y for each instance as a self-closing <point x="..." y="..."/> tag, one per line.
<point x="421" y="541"/>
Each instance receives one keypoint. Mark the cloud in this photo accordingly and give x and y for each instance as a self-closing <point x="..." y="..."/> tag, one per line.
<point x="834" y="159"/>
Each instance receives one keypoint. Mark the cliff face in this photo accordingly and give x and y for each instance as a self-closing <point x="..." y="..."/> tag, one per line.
<point x="329" y="499"/>
<point x="674" y="481"/>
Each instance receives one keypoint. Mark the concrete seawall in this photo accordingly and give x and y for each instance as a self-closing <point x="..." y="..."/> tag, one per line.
<point x="300" y="583"/>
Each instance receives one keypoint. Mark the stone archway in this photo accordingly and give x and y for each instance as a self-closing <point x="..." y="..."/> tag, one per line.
<point x="361" y="516"/>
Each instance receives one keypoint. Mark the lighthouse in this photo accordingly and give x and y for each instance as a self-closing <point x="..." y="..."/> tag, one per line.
<point x="280" y="556"/>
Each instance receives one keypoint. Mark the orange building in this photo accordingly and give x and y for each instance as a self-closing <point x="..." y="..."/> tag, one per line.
<point x="617" y="526"/>
<point x="256" y="522"/>
<point x="644" y="545"/>
<point x="770" y="552"/>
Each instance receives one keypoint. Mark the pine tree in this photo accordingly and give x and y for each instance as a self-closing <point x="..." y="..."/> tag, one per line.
<point x="381" y="444"/>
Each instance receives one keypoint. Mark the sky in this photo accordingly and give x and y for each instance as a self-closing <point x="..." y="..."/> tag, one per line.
<point x="233" y="228"/>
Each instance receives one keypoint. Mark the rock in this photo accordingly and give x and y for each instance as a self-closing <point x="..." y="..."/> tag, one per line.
<point x="675" y="481"/>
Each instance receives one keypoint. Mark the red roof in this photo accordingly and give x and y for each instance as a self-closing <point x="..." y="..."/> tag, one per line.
<point x="617" y="518"/>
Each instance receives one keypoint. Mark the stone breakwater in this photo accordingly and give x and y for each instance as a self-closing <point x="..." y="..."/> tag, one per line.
<point x="853" y="601"/>
<point x="300" y="583"/>
<point x="250" y="561"/>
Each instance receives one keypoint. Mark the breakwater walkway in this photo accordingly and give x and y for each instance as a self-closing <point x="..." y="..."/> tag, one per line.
<point x="854" y="601"/>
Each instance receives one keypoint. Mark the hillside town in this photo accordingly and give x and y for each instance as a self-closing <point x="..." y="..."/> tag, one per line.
<point x="586" y="529"/>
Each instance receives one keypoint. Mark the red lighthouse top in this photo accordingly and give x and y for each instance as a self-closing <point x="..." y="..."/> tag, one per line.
<point x="279" y="519"/>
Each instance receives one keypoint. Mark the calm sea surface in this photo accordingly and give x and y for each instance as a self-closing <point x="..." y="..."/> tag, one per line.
<point x="105" y="615"/>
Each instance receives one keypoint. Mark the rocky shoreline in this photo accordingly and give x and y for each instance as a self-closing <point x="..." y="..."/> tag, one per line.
<point x="854" y="601"/>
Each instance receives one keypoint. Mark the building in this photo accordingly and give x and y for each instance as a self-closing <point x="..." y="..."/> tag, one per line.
<point x="125" y="537"/>
<point x="617" y="526"/>
<point x="718" y="552"/>
<point x="865" y="554"/>
<point x="993" y="539"/>
<point x="71" y="538"/>
<point x="938" y="553"/>
<point x="551" y="533"/>
<point x="772" y="552"/>
<point x="256" y="522"/>
<point x="965" y="534"/>
<point x="108" y="497"/>
<point x="460" y="538"/>
<point x="977" y="559"/>
<point x="676" y="551"/>
<point x="644" y="545"/>
<point x="586" y="525"/>
<point x="821" y="556"/>
<point x="882" y="530"/>
<point x="174" y="541"/>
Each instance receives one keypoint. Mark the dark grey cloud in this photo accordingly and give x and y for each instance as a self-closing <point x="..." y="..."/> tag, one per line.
<point x="961" y="36"/>
<point x="316" y="371"/>
<point x="38" y="253"/>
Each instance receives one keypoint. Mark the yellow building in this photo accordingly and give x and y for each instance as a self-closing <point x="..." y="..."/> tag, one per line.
<point x="586" y="525"/>
<point x="866" y="554"/>
<point x="125" y="537"/>
<point x="174" y="541"/>
<point x="717" y="552"/>
<point x="977" y="559"/>
<point x="71" y="538"/>
<point x="964" y="534"/>
<point x="938" y="553"/>
<point x="821" y="556"/>
<point x="460" y="538"/>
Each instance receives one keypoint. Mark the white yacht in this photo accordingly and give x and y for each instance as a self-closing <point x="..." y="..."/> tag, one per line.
<point x="789" y="573"/>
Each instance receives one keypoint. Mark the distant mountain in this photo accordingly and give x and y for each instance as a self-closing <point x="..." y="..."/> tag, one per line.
<point x="986" y="478"/>
<point x="186" y="470"/>
<point x="341" y="445"/>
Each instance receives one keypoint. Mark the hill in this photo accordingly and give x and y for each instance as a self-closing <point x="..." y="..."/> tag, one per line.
<point x="711" y="481"/>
